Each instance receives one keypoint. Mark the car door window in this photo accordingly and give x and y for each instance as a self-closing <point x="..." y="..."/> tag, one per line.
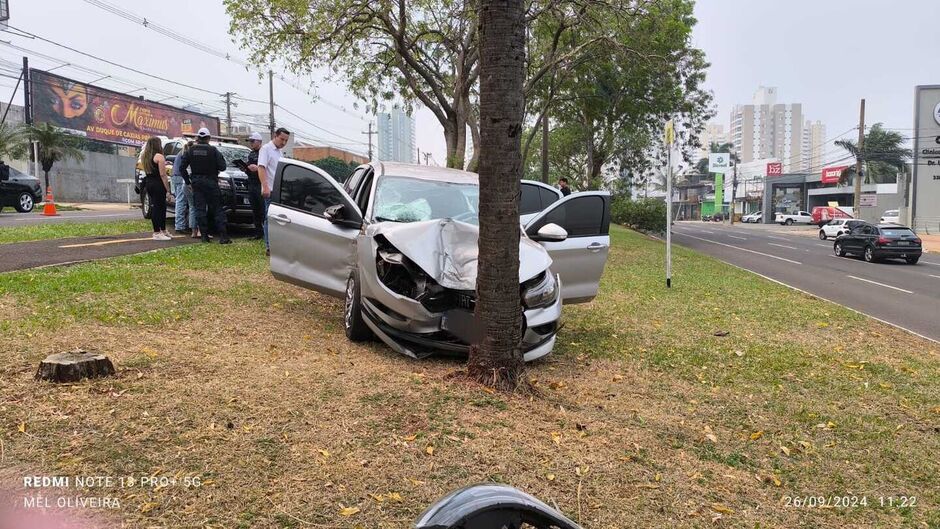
<point x="362" y="194"/>
<point x="548" y="197"/>
<point x="350" y="184"/>
<point x="529" y="201"/>
<point x="580" y="217"/>
<point x="306" y="190"/>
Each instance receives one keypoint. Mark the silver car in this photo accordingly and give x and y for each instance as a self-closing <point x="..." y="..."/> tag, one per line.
<point x="399" y="243"/>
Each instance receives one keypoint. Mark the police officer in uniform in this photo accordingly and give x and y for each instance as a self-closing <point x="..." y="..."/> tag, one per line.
<point x="200" y="169"/>
<point x="254" y="185"/>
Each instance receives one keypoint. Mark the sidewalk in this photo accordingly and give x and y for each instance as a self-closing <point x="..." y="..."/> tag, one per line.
<point x="21" y="255"/>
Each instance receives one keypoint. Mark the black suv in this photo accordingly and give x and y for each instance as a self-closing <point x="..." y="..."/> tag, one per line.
<point x="232" y="182"/>
<point x="21" y="191"/>
<point x="884" y="241"/>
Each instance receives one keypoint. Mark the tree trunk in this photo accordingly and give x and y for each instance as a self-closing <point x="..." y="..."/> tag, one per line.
<point x="47" y="178"/>
<point x="497" y="359"/>
<point x="73" y="366"/>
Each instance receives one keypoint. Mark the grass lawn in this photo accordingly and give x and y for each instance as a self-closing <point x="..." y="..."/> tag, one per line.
<point x="61" y="230"/>
<point x="644" y="417"/>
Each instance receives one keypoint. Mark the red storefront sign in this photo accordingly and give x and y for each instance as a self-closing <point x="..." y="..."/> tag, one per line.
<point x="831" y="175"/>
<point x="774" y="169"/>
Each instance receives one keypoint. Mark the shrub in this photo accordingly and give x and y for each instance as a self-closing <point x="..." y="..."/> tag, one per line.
<point x="645" y="214"/>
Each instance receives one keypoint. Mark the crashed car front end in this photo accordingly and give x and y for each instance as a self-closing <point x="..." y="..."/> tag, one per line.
<point x="418" y="284"/>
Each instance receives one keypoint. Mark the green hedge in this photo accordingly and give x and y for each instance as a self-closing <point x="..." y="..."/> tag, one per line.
<point x="644" y="214"/>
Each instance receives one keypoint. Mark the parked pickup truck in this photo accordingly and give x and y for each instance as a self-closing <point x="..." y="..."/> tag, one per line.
<point x="800" y="217"/>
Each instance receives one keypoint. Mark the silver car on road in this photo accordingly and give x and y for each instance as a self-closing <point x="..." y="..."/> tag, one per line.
<point x="398" y="243"/>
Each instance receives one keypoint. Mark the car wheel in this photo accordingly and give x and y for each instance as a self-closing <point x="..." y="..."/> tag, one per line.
<point x="869" y="255"/>
<point x="822" y="235"/>
<point x="789" y="222"/>
<point x="145" y="204"/>
<point x="912" y="260"/>
<point x="356" y="329"/>
<point x="24" y="203"/>
<point x="838" y="249"/>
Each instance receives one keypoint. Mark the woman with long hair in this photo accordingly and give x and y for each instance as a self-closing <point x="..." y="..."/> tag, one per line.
<point x="158" y="187"/>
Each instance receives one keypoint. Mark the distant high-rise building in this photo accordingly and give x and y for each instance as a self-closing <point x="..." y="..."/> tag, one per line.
<point x="814" y="134"/>
<point x="396" y="137"/>
<point x="713" y="133"/>
<point x="767" y="129"/>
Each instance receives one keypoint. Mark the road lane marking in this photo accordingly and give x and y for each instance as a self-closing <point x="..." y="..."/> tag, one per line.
<point x="783" y="246"/>
<point x="881" y="284"/>
<point x="928" y="262"/>
<point x="931" y="275"/>
<point x="826" y="245"/>
<point x="706" y="231"/>
<point x="778" y="238"/>
<point x="736" y="237"/>
<point x="742" y="249"/>
<point x="102" y="243"/>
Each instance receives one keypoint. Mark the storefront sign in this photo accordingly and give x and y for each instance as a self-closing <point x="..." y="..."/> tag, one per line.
<point x="926" y="164"/>
<point x="868" y="200"/>
<point x="831" y="175"/>
<point x="103" y="115"/>
<point x="774" y="169"/>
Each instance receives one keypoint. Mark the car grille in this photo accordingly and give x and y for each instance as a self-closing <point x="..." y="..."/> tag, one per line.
<point x="240" y="185"/>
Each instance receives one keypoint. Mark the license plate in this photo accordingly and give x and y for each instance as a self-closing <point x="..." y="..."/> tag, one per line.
<point x="904" y="243"/>
<point x="246" y="201"/>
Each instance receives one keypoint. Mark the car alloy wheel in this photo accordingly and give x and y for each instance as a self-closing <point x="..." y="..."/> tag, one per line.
<point x="869" y="255"/>
<point x="145" y="204"/>
<point x="838" y="249"/>
<point x="353" y="324"/>
<point x="822" y="235"/>
<point x="25" y="203"/>
<point x="789" y="222"/>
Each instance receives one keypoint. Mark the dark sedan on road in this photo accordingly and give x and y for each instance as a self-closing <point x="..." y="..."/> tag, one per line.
<point x="884" y="241"/>
<point x="21" y="191"/>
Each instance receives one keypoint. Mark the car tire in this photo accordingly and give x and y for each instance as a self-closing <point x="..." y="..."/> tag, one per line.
<point x="838" y="249"/>
<point x="789" y="222"/>
<point x="912" y="260"/>
<point x="822" y="235"/>
<point x="353" y="324"/>
<point x="869" y="255"/>
<point x="25" y="203"/>
<point x="145" y="204"/>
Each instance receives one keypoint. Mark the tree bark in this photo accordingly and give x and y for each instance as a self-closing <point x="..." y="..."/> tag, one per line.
<point x="73" y="366"/>
<point x="497" y="359"/>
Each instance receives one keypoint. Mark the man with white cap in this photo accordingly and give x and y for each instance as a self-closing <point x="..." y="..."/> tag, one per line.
<point x="206" y="162"/>
<point x="254" y="185"/>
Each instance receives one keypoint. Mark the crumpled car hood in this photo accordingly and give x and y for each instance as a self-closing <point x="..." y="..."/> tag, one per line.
<point x="447" y="250"/>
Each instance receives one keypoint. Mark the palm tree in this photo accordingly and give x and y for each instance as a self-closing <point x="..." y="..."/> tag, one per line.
<point x="883" y="156"/>
<point x="54" y="145"/>
<point x="702" y="165"/>
<point x="497" y="359"/>
<point x="12" y="142"/>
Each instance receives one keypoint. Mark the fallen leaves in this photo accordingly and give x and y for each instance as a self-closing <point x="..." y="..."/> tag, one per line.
<point x="721" y="508"/>
<point x="756" y="435"/>
<point x="348" y="511"/>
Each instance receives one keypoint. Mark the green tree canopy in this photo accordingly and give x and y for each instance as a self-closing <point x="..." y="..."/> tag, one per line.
<point x="336" y="167"/>
<point x="883" y="154"/>
<point x="54" y="145"/>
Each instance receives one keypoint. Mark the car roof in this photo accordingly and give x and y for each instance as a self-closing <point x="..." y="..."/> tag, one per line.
<point x="892" y="225"/>
<point x="425" y="172"/>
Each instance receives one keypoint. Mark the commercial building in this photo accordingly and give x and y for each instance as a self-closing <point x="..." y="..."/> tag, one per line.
<point x="713" y="133"/>
<point x="312" y="153"/>
<point x="396" y="137"/>
<point x="804" y="191"/>
<point x="814" y="149"/>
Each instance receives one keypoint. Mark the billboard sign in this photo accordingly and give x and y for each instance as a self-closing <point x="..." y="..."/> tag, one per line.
<point x="868" y="200"/>
<point x="719" y="162"/>
<point x="831" y="175"/>
<point x="104" y="115"/>
<point x="925" y="197"/>
<point x="774" y="169"/>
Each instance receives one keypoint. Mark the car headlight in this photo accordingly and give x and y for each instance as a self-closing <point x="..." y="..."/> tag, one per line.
<point x="224" y="183"/>
<point x="542" y="291"/>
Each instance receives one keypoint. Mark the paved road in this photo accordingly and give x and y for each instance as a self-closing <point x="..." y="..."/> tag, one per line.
<point x="10" y="218"/>
<point x="893" y="291"/>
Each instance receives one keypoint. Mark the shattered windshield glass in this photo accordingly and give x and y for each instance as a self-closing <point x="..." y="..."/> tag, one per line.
<point x="232" y="153"/>
<point x="402" y="199"/>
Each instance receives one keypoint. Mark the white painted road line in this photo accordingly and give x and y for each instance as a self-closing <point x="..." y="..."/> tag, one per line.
<point x="706" y="231"/>
<point x="881" y="284"/>
<point x="739" y="238"/>
<point x="931" y="275"/>
<point x="103" y="243"/>
<point x="778" y="238"/>
<point x="783" y="246"/>
<point x="742" y="249"/>
<point x="826" y="245"/>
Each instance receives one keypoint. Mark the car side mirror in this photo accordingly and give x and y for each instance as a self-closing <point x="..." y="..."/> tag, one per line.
<point x="551" y="232"/>
<point x="335" y="213"/>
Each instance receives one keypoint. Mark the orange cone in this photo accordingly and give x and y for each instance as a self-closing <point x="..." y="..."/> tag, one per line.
<point x="49" y="208"/>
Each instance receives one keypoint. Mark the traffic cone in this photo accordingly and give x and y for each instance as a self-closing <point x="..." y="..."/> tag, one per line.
<point x="49" y="208"/>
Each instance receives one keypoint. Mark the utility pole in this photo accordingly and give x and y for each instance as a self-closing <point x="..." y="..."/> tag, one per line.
<point x="419" y="155"/>
<point x="228" y="113"/>
<point x="271" y="101"/>
<point x="427" y="155"/>
<point x="28" y="110"/>
<point x="545" y="148"/>
<point x="370" y="133"/>
<point x="670" y="138"/>
<point x="859" y="160"/>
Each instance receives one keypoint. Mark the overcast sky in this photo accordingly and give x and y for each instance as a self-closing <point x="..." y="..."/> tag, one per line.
<point x="826" y="54"/>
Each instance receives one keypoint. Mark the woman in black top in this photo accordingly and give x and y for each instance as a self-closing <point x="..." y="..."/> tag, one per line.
<point x="157" y="186"/>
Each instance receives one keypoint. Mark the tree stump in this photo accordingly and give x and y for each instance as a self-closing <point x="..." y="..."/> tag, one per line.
<point x="73" y="366"/>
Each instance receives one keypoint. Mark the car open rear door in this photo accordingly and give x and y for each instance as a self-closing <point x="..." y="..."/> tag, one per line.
<point x="580" y="258"/>
<point x="308" y="248"/>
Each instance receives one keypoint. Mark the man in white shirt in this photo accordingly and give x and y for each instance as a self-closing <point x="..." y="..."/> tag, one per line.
<point x="268" y="157"/>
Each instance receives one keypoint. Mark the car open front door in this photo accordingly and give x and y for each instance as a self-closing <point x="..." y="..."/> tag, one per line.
<point x="580" y="258"/>
<point x="312" y="239"/>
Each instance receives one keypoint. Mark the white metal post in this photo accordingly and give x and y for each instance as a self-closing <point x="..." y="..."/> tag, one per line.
<point x="669" y="215"/>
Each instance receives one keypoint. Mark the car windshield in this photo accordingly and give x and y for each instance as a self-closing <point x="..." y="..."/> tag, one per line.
<point x="402" y="199"/>
<point x="897" y="233"/>
<point x="231" y="153"/>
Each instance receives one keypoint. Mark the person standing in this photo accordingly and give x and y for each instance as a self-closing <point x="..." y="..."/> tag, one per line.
<point x="268" y="157"/>
<point x="258" y="209"/>
<point x="158" y="187"/>
<point x="185" y="209"/>
<point x="563" y="186"/>
<point x="206" y="162"/>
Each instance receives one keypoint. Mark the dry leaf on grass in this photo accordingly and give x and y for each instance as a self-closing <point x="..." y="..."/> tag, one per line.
<point x="348" y="511"/>
<point x="757" y="435"/>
